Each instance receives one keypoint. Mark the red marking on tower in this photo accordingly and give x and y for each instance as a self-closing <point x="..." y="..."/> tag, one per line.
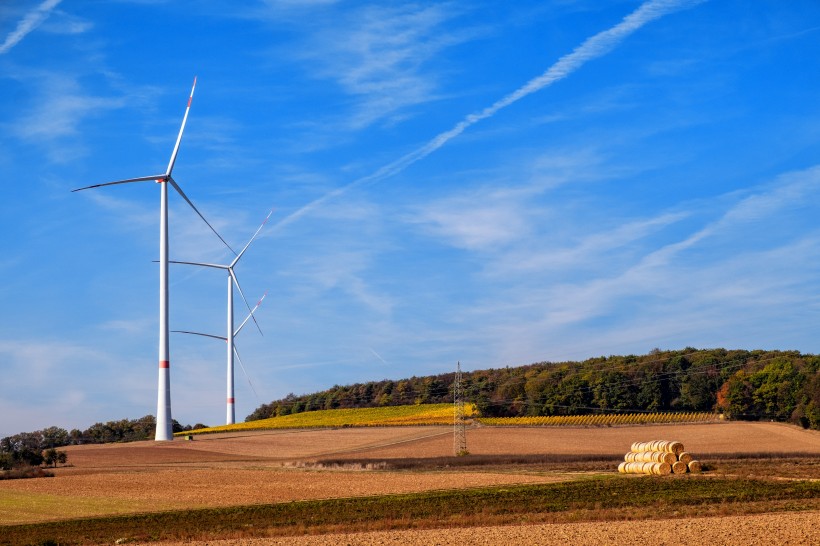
<point x="164" y="364"/>
<point x="231" y="400"/>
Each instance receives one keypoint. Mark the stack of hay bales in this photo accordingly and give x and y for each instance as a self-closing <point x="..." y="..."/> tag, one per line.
<point x="658" y="457"/>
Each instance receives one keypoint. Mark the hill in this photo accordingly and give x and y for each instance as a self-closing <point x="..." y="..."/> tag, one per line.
<point x="745" y="385"/>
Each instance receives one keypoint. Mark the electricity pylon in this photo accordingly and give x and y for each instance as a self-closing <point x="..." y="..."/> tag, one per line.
<point x="459" y="432"/>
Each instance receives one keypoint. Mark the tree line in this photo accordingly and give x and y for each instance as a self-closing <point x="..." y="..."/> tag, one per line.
<point x="39" y="447"/>
<point x="748" y="385"/>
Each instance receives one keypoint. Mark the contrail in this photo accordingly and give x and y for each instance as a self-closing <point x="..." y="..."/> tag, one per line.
<point x="594" y="47"/>
<point x="28" y="23"/>
<point x="378" y="356"/>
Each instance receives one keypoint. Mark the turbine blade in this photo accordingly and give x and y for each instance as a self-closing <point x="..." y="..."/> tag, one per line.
<point x="236" y="282"/>
<point x="217" y="266"/>
<point x="126" y="181"/>
<point x="181" y="129"/>
<point x="239" y="329"/>
<point x="241" y="252"/>
<point x="182" y="193"/>
<point x="244" y="371"/>
<point x="223" y="338"/>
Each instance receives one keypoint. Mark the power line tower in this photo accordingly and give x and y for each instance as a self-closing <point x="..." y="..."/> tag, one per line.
<point x="459" y="432"/>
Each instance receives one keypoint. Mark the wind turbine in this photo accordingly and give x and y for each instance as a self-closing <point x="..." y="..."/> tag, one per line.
<point x="230" y="418"/>
<point x="230" y="413"/>
<point x="164" y="430"/>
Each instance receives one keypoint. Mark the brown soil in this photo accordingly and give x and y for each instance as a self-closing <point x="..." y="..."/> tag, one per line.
<point x="764" y="529"/>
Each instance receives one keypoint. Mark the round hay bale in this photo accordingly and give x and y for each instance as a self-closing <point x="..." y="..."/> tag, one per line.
<point x="676" y="447"/>
<point x="653" y="445"/>
<point x="694" y="467"/>
<point x="663" y="469"/>
<point x="647" y="468"/>
<point x="669" y="458"/>
<point x="679" y="467"/>
<point x="662" y="445"/>
<point x="629" y="468"/>
<point x="635" y="446"/>
<point x="621" y="468"/>
<point x="685" y="457"/>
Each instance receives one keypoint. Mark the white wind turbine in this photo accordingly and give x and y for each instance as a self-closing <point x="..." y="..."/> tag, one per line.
<point x="164" y="430"/>
<point x="229" y="340"/>
<point x="230" y="414"/>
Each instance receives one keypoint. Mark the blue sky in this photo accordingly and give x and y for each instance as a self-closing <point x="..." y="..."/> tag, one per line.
<point x="498" y="183"/>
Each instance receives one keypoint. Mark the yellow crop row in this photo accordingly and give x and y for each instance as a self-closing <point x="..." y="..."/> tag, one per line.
<point x="423" y="414"/>
<point x="600" y="419"/>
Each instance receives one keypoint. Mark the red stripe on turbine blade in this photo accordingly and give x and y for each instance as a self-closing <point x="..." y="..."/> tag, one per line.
<point x="164" y="364"/>
<point x="231" y="400"/>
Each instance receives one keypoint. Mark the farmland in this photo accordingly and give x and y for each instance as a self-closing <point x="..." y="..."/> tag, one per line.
<point x="406" y="470"/>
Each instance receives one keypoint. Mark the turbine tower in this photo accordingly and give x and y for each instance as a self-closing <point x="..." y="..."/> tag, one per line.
<point x="164" y="430"/>
<point x="230" y="412"/>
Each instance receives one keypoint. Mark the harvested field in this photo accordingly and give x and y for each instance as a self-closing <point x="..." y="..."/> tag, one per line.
<point x="166" y="489"/>
<point x="424" y="442"/>
<point x="276" y="466"/>
<point x="789" y="529"/>
<point x="704" y="439"/>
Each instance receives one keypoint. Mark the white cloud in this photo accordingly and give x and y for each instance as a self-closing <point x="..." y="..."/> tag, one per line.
<point x="481" y="220"/>
<point x="379" y="54"/>
<point x="703" y="284"/>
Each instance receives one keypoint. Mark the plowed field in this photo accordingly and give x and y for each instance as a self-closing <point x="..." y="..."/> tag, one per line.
<point x="790" y="529"/>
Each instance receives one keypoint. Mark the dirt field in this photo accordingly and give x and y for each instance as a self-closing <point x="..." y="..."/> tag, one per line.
<point x="403" y="442"/>
<point x="265" y="467"/>
<point x="792" y="529"/>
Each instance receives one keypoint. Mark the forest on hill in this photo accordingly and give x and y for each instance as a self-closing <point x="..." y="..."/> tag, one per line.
<point x="748" y="385"/>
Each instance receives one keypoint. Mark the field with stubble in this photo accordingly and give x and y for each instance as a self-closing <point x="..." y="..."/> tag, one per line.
<point x="368" y="481"/>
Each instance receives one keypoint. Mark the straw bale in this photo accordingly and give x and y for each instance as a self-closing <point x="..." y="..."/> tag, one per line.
<point x="669" y="458"/>
<point x="622" y="468"/>
<point x="679" y="467"/>
<point x="676" y="447"/>
<point x="663" y="469"/>
<point x="658" y="456"/>
<point x="694" y="467"/>
<point x="685" y="457"/>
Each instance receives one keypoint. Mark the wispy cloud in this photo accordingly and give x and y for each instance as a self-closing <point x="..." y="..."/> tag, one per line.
<point x="723" y="279"/>
<point x="62" y="107"/>
<point x="28" y="23"/>
<point x="594" y="47"/>
<point x="380" y="57"/>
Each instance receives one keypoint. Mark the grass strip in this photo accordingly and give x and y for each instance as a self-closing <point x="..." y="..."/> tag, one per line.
<point x="429" y="509"/>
